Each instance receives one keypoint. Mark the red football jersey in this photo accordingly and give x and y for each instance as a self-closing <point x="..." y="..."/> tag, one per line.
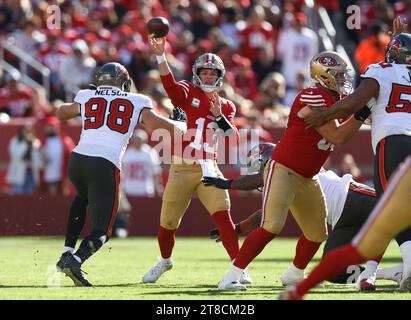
<point x="300" y="149"/>
<point x="200" y="141"/>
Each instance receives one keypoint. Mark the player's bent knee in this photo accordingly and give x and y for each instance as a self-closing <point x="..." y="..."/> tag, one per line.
<point x="274" y="228"/>
<point x="169" y="224"/>
<point x="316" y="237"/>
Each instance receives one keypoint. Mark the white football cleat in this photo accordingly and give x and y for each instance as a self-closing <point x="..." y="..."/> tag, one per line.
<point x="230" y="282"/>
<point x="157" y="270"/>
<point x="292" y="276"/>
<point x="246" y="278"/>
<point x="366" y="280"/>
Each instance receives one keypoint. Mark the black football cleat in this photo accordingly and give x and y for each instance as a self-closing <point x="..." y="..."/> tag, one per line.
<point x="63" y="260"/>
<point x="72" y="269"/>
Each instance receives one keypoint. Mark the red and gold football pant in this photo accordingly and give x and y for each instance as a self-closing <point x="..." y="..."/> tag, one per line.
<point x="284" y="190"/>
<point x="183" y="180"/>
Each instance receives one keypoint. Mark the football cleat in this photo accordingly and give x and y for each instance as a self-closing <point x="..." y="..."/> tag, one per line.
<point x="405" y="284"/>
<point x="246" y="278"/>
<point x="230" y="282"/>
<point x="366" y="280"/>
<point x="157" y="270"/>
<point x="367" y="284"/>
<point x="63" y="260"/>
<point x="72" y="269"/>
<point x="292" y="276"/>
<point x="290" y="294"/>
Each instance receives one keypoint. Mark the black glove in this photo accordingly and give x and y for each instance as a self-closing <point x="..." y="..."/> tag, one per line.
<point x="362" y="114"/>
<point x="178" y="115"/>
<point x="215" y="234"/>
<point x="219" y="183"/>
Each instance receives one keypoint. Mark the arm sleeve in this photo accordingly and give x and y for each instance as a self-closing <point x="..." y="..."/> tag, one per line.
<point x="373" y="71"/>
<point x="81" y="96"/>
<point x="176" y="91"/>
<point x="144" y="103"/>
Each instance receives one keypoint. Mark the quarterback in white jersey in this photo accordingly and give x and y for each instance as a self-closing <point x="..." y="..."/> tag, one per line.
<point x="386" y="88"/>
<point x="109" y="114"/>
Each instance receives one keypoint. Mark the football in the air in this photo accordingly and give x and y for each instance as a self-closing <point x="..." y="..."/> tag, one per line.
<point x="158" y="27"/>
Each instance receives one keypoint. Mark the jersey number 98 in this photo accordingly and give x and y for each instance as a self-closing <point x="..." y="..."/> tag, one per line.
<point x="119" y="114"/>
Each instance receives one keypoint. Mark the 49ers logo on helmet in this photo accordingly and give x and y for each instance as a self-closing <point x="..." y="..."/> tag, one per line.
<point x="328" y="61"/>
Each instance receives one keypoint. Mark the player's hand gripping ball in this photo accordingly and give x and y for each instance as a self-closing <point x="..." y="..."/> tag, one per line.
<point x="158" y="27"/>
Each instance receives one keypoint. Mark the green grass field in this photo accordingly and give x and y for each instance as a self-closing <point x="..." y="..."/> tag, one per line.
<point x="28" y="265"/>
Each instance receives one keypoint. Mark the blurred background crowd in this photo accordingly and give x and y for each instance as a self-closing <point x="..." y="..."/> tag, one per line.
<point x="266" y="46"/>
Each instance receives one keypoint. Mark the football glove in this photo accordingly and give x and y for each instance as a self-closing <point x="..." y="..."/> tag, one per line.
<point x="219" y="183"/>
<point x="178" y="115"/>
<point x="215" y="234"/>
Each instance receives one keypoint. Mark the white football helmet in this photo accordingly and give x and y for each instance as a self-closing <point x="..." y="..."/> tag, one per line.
<point x="208" y="61"/>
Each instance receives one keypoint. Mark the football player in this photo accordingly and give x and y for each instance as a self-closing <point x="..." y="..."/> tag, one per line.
<point x="391" y="215"/>
<point x="349" y="204"/>
<point x="206" y="111"/>
<point x="109" y="114"/>
<point x="386" y="87"/>
<point x="289" y="177"/>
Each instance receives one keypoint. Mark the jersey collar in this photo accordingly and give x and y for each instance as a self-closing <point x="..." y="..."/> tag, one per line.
<point x="103" y="87"/>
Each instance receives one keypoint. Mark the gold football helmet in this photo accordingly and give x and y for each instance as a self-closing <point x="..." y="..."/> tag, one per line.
<point x="329" y="69"/>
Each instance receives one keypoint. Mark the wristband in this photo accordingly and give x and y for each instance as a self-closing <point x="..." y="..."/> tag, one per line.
<point x="161" y="59"/>
<point x="362" y="114"/>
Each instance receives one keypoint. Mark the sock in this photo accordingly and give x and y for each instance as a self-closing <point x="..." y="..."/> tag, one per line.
<point x="294" y="269"/>
<point x="304" y="252"/>
<point x="253" y="244"/>
<point x="228" y="233"/>
<point x="405" y="249"/>
<point x="392" y="273"/>
<point x="236" y="273"/>
<point x="90" y="245"/>
<point x="69" y="249"/>
<point x="370" y="270"/>
<point x="76" y="220"/>
<point x="332" y="264"/>
<point x="166" y="239"/>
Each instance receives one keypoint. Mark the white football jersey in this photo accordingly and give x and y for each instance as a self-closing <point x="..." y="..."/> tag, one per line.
<point x="391" y="111"/>
<point x="335" y="189"/>
<point x="139" y="170"/>
<point x="108" y="116"/>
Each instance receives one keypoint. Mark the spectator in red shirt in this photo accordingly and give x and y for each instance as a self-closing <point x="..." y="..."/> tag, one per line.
<point x="16" y="99"/>
<point x="256" y="34"/>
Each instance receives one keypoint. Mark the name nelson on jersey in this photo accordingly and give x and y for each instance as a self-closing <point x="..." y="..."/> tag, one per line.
<point x="109" y="92"/>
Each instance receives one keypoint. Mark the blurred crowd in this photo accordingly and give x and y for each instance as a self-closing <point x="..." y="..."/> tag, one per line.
<point x="266" y="46"/>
